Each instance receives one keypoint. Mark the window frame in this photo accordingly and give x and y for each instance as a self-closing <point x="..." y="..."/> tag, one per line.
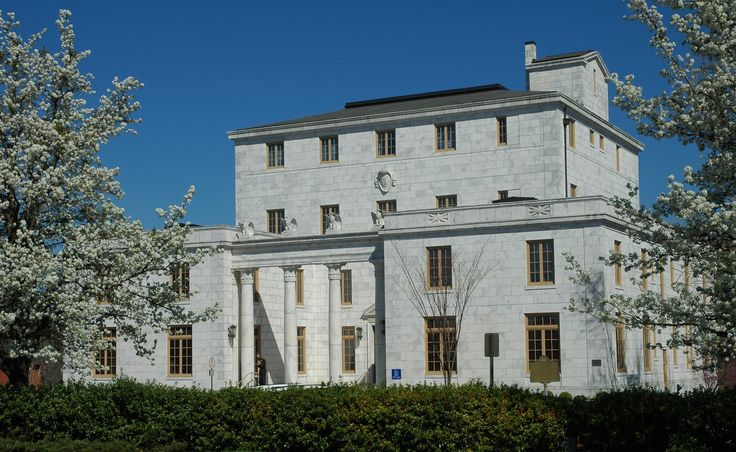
<point x="446" y="199"/>
<point x="442" y="268"/>
<point x="301" y="347"/>
<point x="333" y="149"/>
<point x="280" y="221"/>
<point x="180" y="271"/>
<point x="618" y="158"/>
<point x="274" y="147"/>
<point x="180" y="338"/>
<point x="325" y="211"/>
<point x="502" y="131"/>
<point x="502" y="194"/>
<point x="573" y="191"/>
<point x="446" y="128"/>
<point x="571" y="139"/>
<point x="105" y="356"/>
<point x="441" y="330"/>
<point x="544" y="329"/>
<point x="387" y="138"/>
<point x="349" y="347"/>
<point x="618" y="271"/>
<point x="346" y="289"/>
<point x="647" y="355"/>
<point x="620" y="347"/>
<point x="602" y="143"/>
<point x="543" y="267"/>
<point x="591" y="137"/>
<point x="299" y="286"/>
<point x="391" y="203"/>
<point x="644" y="269"/>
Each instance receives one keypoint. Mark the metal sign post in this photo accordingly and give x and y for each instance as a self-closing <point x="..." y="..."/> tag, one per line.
<point x="212" y="373"/>
<point x="491" y="349"/>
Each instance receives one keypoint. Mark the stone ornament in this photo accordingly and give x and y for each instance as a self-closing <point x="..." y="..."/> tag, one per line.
<point x="384" y="181"/>
<point x="442" y="217"/>
<point x="246" y="231"/>
<point x="334" y="223"/>
<point x="378" y="220"/>
<point x="290" y="227"/>
<point x="539" y="210"/>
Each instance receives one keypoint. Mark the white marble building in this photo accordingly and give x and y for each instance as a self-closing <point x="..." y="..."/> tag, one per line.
<point x="310" y="279"/>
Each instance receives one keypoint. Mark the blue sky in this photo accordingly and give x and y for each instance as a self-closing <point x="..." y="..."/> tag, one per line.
<point x="215" y="66"/>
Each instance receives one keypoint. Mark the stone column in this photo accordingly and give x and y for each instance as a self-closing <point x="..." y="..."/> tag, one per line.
<point x="335" y="333"/>
<point x="290" y="344"/>
<point x="246" y="338"/>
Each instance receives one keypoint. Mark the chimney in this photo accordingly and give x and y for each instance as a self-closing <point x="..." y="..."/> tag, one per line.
<point x="530" y="52"/>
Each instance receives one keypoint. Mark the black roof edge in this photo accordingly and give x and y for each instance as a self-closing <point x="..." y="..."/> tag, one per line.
<point x="514" y="199"/>
<point x="448" y="92"/>
<point x="530" y="42"/>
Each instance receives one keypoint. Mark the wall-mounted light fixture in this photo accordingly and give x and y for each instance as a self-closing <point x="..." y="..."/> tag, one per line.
<point x="231" y="331"/>
<point x="359" y="333"/>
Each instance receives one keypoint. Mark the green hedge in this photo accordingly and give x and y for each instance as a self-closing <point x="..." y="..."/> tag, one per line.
<point x="129" y="416"/>
<point x="341" y="417"/>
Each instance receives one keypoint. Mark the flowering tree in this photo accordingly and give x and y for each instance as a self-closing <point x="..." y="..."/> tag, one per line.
<point x="694" y="222"/>
<point x="70" y="259"/>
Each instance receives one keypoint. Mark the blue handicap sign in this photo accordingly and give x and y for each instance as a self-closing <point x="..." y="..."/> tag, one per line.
<point x="396" y="374"/>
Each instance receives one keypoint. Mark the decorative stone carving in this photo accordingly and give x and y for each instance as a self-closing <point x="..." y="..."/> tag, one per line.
<point x="384" y="181"/>
<point x="334" y="223"/>
<point x="289" y="227"/>
<point x="378" y="221"/>
<point x="333" y="271"/>
<point x="539" y="210"/>
<point x="442" y="217"/>
<point x="246" y="276"/>
<point x="289" y="274"/>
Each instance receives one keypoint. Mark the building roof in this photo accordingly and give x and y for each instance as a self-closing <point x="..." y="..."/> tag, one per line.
<point x="431" y="99"/>
<point x="563" y="56"/>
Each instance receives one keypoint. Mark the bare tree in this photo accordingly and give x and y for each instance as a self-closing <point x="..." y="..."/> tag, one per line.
<point x="440" y="289"/>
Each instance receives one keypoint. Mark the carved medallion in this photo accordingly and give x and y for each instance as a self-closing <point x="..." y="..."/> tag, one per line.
<point x="540" y="210"/>
<point x="442" y="217"/>
<point x="384" y="181"/>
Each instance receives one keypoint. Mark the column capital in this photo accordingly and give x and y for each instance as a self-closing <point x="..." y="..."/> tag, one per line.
<point x="333" y="271"/>
<point x="290" y="273"/>
<point x="247" y="275"/>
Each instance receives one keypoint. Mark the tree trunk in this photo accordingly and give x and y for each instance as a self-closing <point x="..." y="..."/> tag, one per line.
<point x="17" y="370"/>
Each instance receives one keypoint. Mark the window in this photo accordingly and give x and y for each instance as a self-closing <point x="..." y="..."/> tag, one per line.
<point x="621" y="347"/>
<point x="386" y="143"/>
<point x="672" y="273"/>
<point x="595" y="84"/>
<point x="386" y="206"/>
<point x="301" y="345"/>
<point x="591" y="137"/>
<point x="326" y="211"/>
<point x="446" y="201"/>
<point x="573" y="191"/>
<point x="687" y="276"/>
<point x="180" y="351"/>
<point x="648" y="340"/>
<point x="329" y="152"/>
<point x="445" y="137"/>
<point x="106" y="358"/>
<point x="542" y="337"/>
<point x="275" y="155"/>
<point x="348" y="349"/>
<point x="602" y="143"/>
<point x="346" y="287"/>
<point x="618" y="273"/>
<point x="179" y="280"/>
<point x="674" y="350"/>
<point x="300" y="286"/>
<point x="503" y="194"/>
<point x="439" y="267"/>
<point x="571" y="133"/>
<point x="541" y="259"/>
<point x="256" y="290"/>
<point x="502" y="138"/>
<point x="644" y="270"/>
<point x="276" y="221"/>
<point x="440" y="344"/>
<point x="618" y="158"/>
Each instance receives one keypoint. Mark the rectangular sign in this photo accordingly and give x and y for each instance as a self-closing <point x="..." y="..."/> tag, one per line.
<point x="491" y="345"/>
<point x="396" y="374"/>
